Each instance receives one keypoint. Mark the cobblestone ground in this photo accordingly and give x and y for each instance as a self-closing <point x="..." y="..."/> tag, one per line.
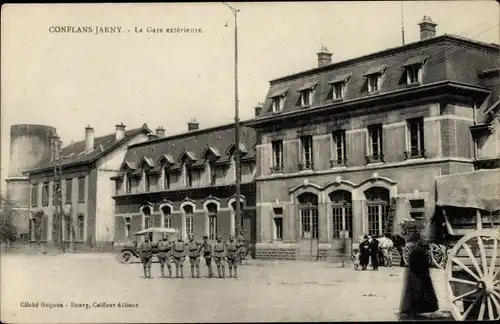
<point x="265" y="291"/>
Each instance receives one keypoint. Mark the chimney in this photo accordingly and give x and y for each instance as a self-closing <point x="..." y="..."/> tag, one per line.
<point x="258" y="109"/>
<point x="193" y="125"/>
<point x="56" y="147"/>
<point x="89" y="139"/>
<point x="160" y="131"/>
<point x="427" y="28"/>
<point x="324" y="56"/>
<point x="152" y="136"/>
<point x="120" y="132"/>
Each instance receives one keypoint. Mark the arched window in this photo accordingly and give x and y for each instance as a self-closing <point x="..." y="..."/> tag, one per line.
<point x="188" y="219"/>
<point x="146" y="212"/>
<point x="127" y="227"/>
<point x="167" y="216"/>
<point x="341" y="201"/>
<point x="377" y="202"/>
<point x="212" y="221"/>
<point x="233" y="209"/>
<point x="80" y="228"/>
<point x="308" y="205"/>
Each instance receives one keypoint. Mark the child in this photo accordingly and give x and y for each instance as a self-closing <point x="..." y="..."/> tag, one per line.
<point x="355" y="258"/>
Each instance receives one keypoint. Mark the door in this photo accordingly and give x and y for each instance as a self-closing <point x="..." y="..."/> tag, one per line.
<point x="309" y="231"/>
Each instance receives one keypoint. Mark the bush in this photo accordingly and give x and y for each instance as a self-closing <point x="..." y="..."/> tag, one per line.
<point x="8" y="213"/>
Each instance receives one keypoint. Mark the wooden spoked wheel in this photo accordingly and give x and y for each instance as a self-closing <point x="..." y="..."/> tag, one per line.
<point x="437" y="255"/>
<point x="473" y="276"/>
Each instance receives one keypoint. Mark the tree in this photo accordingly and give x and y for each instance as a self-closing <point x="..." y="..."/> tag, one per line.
<point x="8" y="213"/>
<point x="37" y="228"/>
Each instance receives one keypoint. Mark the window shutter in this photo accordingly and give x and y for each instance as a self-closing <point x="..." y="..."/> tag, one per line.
<point x="291" y="156"/>
<point x="44" y="229"/>
<point x="264" y="151"/>
<point x="157" y="220"/>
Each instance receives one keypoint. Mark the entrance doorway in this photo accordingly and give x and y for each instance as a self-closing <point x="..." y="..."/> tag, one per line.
<point x="309" y="225"/>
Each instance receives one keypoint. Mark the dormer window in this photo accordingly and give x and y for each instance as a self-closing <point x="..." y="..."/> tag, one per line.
<point x="374" y="77"/>
<point x="338" y="84"/>
<point x="278" y="99"/>
<point x="306" y="93"/>
<point x="414" y="69"/>
<point x="338" y="90"/>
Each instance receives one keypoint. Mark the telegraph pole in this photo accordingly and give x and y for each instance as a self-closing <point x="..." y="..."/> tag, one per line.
<point x="57" y="192"/>
<point x="236" y="122"/>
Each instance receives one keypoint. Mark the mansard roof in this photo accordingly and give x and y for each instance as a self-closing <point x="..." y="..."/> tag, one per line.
<point x="444" y="58"/>
<point x="194" y="144"/>
<point x="74" y="153"/>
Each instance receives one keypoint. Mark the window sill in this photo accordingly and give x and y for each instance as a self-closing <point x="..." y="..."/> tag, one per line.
<point x="81" y="201"/>
<point x="277" y="112"/>
<point x="374" y="92"/>
<point x="414" y="84"/>
<point x="305" y="106"/>
<point x="375" y="163"/>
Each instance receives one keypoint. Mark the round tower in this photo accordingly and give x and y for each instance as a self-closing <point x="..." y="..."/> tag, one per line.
<point x="29" y="146"/>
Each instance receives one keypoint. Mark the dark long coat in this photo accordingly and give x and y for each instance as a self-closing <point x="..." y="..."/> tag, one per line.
<point x="419" y="295"/>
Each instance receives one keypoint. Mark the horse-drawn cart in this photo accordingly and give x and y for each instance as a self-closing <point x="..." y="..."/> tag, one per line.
<point x="467" y="218"/>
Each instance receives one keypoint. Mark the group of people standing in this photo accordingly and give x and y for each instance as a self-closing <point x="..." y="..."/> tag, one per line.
<point x="221" y="252"/>
<point x="368" y="252"/>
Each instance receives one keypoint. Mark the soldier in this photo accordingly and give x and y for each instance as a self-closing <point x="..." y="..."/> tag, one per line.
<point x="219" y="249"/>
<point x="194" y="255"/>
<point x="232" y="247"/>
<point x="206" y="247"/>
<point x="179" y="253"/>
<point x="145" y="253"/>
<point x="243" y="250"/>
<point x="164" y="254"/>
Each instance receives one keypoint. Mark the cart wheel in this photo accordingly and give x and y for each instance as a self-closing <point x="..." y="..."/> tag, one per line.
<point x="125" y="257"/>
<point x="475" y="256"/>
<point x="438" y="255"/>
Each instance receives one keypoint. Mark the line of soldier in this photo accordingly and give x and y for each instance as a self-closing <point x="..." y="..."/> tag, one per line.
<point x="221" y="252"/>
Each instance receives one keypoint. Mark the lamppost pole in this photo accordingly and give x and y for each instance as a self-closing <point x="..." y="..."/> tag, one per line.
<point x="236" y="120"/>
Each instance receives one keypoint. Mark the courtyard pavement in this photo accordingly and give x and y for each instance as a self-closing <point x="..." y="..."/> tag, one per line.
<point x="264" y="291"/>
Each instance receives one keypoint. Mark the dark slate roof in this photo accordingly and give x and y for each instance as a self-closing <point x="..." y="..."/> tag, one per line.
<point x="194" y="143"/>
<point x="74" y="153"/>
<point x="445" y="58"/>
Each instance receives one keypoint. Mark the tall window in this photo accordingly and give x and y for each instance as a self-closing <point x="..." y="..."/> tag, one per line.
<point x="146" y="212"/>
<point x="118" y="187"/>
<point x="45" y="194"/>
<point x="212" y="221"/>
<point x="413" y="73"/>
<point x="80" y="228"/>
<point x="308" y="205"/>
<point x="213" y="176"/>
<point x="127" y="227"/>
<point x="338" y="90"/>
<point x="81" y="189"/>
<point x="307" y="152"/>
<point x="188" y="219"/>
<point x="69" y="190"/>
<point x="34" y="195"/>
<point x="278" y="224"/>
<point x="375" y="150"/>
<point x="277" y="103"/>
<point x="377" y="200"/>
<point x="306" y="97"/>
<point x="167" y="179"/>
<point x="277" y="155"/>
<point x="167" y="216"/>
<point x="147" y="183"/>
<point x="339" y="147"/>
<point x="373" y="82"/>
<point x="342" y="214"/>
<point x="129" y="184"/>
<point x="415" y="143"/>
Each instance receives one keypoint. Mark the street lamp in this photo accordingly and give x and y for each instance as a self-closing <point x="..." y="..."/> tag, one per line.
<point x="236" y="117"/>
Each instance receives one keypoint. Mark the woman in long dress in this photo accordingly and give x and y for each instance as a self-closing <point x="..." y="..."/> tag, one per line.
<point x="419" y="295"/>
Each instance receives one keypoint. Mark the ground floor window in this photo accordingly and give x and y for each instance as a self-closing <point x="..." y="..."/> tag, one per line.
<point x="189" y="224"/>
<point x="127" y="226"/>
<point x="81" y="228"/>
<point x="212" y="226"/>
<point x="167" y="221"/>
<point x="278" y="228"/>
<point x="377" y="217"/>
<point x="309" y="220"/>
<point x="342" y="221"/>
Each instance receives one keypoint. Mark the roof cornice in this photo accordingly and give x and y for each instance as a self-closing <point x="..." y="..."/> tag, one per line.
<point x="390" y="51"/>
<point x="362" y="100"/>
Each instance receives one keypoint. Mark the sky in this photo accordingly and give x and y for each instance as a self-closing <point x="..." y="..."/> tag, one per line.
<point x="69" y="81"/>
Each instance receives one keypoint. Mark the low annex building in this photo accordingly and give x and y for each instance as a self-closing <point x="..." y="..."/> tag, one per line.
<point x="187" y="182"/>
<point x="86" y="167"/>
<point x="352" y="147"/>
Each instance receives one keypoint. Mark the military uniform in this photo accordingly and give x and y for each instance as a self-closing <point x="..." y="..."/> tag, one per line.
<point x="193" y="248"/>
<point x="232" y="247"/>
<point x="146" y="253"/>
<point x="179" y="254"/>
<point x="206" y="248"/>
<point x="164" y="255"/>
<point x="243" y="250"/>
<point x="219" y="250"/>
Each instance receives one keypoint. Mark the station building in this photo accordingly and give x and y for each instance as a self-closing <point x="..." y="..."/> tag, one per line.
<point x="86" y="167"/>
<point x="352" y="147"/>
<point x="187" y="181"/>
